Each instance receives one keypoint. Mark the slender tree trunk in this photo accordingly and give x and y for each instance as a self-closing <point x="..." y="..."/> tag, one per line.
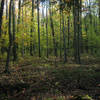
<point x="6" y="9"/>
<point x="53" y="33"/>
<point x="18" y="21"/>
<point x="23" y="50"/>
<point x="60" y="35"/>
<point x="99" y="9"/>
<point x="80" y="26"/>
<point x="19" y="10"/>
<point x="31" y="48"/>
<point x="38" y="18"/>
<point x="1" y="14"/>
<point x="90" y="15"/>
<point x="43" y="26"/>
<point x="31" y="45"/>
<point x="68" y="33"/>
<point x="47" y="27"/>
<point x="76" y="32"/>
<point x="10" y="40"/>
<point x="86" y="30"/>
<point x="91" y="24"/>
<point x="33" y="26"/>
<point x="14" y="33"/>
<point x="64" y="40"/>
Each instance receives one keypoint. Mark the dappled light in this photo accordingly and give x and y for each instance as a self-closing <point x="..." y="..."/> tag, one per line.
<point x="49" y="49"/>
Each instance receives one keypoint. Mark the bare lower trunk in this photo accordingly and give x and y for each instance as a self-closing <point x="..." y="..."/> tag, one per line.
<point x="10" y="40"/>
<point x="1" y="14"/>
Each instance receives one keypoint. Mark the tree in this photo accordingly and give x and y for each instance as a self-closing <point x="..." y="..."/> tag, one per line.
<point x="47" y="27"/>
<point x="10" y="40"/>
<point x="53" y="33"/>
<point x="80" y="26"/>
<point x="76" y="31"/>
<point x="60" y="31"/>
<point x="99" y="9"/>
<point x="86" y="30"/>
<point x="68" y="33"/>
<point x="1" y="14"/>
<point x="14" y="33"/>
<point x="19" y="10"/>
<point x="32" y="28"/>
<point x="64" y="39"/>
<point x="22" y="50"/>
<point x="6" y="9"/>
<point x="38" y="18"/>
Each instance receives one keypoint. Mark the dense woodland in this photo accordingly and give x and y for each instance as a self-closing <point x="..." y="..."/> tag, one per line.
<point x="49" y="49"/>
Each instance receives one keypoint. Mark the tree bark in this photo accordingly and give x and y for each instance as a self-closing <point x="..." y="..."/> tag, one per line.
<point x="1" y="14"/>
<point x="68" y="33"/>
<point x="99" y="11"/>
<point x="6" y="9"/>
<point x="60" y="33"/>
<point x="38" y="18"/>
<point x="53" y="33"/>
<point x="10" y="41"/>
<point x="32" y="19"/>
<point x="14" y="33"/>
<point x="19" y="10"/>
<point x="64" y="40"/>
<point x="47" y="27"/>
<point x="76" y="32"/>
<point x="80" y="26"/>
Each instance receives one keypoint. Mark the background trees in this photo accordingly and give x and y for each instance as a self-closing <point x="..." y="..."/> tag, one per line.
<point x="66" y="28"/>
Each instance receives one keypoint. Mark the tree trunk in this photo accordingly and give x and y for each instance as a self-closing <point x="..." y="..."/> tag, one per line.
<point x="99" y="9"/>
<point x="68" y="33"/>
<point x="47" y="27"/>
<point x="76" y="32"/>
<point x="10" y="40"/>
<point x="86" y="30"/>
<point x="38" y="18"/>
<point x="64" y="40"/>
<point x="19" y="10"/>
<point x="80" y="26"/>
<point x="32" y="19"/>
<point x="60" y="34"/>
<point x="1" y="14"/>
<point x="53" y="33"/>
<point x="6" y="9"/>
<point x="22" y="50"/>
<point x="14" y="33"/>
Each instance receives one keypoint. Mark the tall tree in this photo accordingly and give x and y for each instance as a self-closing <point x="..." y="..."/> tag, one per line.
<point x="23" y="50"/>
<point x="76" y="31"/>
<point x="1" y="14"/>
<point x="38" y="18"/>
<point x="91" y="22"/>
<point x="68" y="33"/>
<point x="60" y="30"/>
<point x="99" y="9"/>
<point x="6" y="9"/>
<point x="32" y="19"/>
<point x="14" y="33"/>
<point x="53" y="32"/>
<point x="86" y="30"/>
<point x="19" y="10"/>
<point x="10" y="40"/>
<point x="80" y="26"/>
<point x="64" y="39"/>
<point x="47" y="26"/>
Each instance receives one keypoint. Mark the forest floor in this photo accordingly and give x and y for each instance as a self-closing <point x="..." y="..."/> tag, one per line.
<point x="34" y="78"/>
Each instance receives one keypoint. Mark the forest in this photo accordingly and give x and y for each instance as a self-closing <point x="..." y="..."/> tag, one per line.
<point x="49" y="49"/>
